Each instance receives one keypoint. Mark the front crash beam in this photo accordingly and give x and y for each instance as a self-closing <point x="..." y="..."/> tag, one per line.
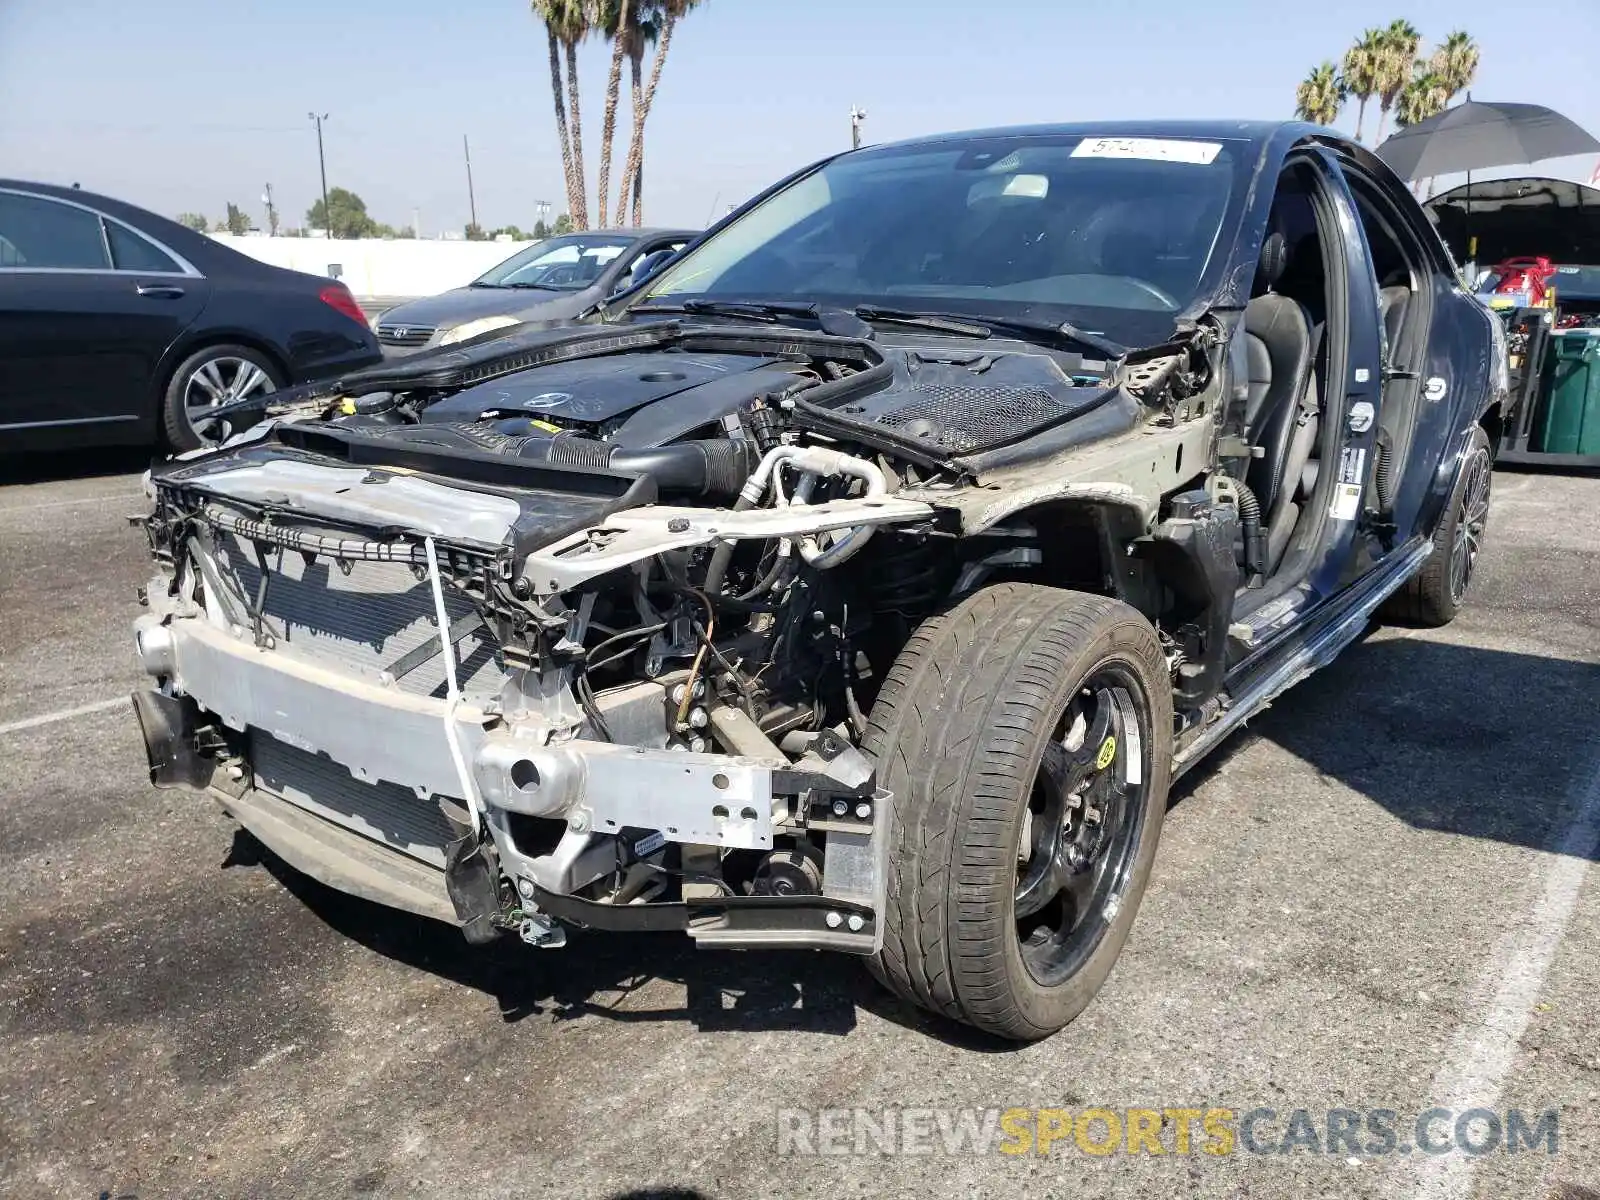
<point x="815" y="922"/>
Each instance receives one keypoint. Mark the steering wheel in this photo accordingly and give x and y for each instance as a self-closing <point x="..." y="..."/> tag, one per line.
<point x="1150" y="289"/>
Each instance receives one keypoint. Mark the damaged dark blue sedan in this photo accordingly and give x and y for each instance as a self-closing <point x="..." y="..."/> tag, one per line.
<point x="859" y="582"/>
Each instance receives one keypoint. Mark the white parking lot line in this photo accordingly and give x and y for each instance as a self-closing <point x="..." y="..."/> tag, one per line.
<point x="66" y="714"/>
<point x="1485" y="1044"/>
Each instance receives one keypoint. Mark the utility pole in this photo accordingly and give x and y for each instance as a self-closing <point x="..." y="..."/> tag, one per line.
<point x="542" y="207"/>
<point x="322" y="164"/>
<point x="272" y="213"/>
<point x="857" y="115"/>
<point x="472" y="202"/>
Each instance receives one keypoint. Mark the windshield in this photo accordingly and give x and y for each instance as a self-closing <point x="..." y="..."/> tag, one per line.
<point x="563" y="264"/>
<point x="1115" y="235"/>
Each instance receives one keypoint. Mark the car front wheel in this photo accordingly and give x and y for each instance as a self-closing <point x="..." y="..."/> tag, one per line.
<point x="206" y="380"/>
<point x="1026" y="737"/>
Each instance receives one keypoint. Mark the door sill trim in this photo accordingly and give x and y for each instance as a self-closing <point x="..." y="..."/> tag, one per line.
<point x="1331" y="631"/>
<point x="65" y="421"/>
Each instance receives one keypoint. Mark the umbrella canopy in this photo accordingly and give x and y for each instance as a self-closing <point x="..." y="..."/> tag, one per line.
<point x="1475" y="136"/>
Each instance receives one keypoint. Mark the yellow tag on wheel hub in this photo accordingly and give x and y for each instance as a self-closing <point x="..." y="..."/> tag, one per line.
<point x="1108" y="751"/>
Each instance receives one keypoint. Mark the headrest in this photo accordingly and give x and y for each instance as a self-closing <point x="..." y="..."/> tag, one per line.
<point x="1273" y="263"/>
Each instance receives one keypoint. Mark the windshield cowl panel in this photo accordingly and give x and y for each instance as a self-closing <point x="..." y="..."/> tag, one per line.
<point x="1117" y="237"/>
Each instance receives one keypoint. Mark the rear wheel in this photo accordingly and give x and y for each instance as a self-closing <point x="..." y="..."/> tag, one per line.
<point x="1026" y="737"/>
<point x="208" y="379"/>
<point x="1434" y="595"/>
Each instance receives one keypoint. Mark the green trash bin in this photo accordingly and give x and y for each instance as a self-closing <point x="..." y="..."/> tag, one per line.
<point x="1569" y="417"/>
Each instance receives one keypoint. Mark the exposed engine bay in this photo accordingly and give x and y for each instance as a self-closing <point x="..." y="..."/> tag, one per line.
<point x="672" y="564"/>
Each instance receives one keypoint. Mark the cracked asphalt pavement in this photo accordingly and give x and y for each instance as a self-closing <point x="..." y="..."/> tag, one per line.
<point x="1360" y="902"/>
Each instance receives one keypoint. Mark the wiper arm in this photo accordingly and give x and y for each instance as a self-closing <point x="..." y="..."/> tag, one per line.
<point x="542" y="287"/>
<point x="936" y="322"/>
<point x="758" y="310"/>
<point x="986" y="326"/>
<point x="1062" y="331"/>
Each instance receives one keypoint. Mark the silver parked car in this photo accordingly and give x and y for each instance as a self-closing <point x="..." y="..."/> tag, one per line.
<point x="552" y="280"/>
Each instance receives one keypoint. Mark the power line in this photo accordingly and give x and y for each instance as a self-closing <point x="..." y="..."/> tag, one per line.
<point x="322" y="163"/>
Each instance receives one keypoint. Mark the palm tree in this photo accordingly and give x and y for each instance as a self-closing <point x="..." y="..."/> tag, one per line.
<point x="568" y="22"/>
<point x="548" y="11"/>
<point x="1425" y="96"/>
<point x="1361" y="63"/>
<point x="663" y="19"/>
<point x="1455" y="63"/>
<point x="1320" y="97"/>
<point x="1399" y="57"/>
<point x="620" y="25"/>
<point x="648" y="22"/>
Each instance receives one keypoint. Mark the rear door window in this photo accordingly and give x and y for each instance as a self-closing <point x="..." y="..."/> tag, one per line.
<point x="133" y="252"/>
<point x="41" y="234"/>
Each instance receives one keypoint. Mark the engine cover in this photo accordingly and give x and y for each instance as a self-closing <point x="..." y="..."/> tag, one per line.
<point x="594" y="391"/>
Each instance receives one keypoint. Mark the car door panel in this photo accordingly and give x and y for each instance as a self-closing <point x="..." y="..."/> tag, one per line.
<point x="1448" y="381"/>
<point x="1354" y="396"/>
<point x="1418" y="368"/>
<point x="1328" y="550"/>
<point x="78" y="347"/>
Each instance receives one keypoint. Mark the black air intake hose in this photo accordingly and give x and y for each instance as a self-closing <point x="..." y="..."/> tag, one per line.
<point x="1255" y="540"/>
<point x="713" y="467"/>
<point x="569" y="450"/>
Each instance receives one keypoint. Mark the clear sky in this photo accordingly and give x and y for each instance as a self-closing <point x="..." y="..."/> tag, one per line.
<point x="183" y="105"/>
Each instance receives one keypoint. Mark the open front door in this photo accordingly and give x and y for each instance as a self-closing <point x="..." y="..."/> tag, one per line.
<point x="1312" y="484"/>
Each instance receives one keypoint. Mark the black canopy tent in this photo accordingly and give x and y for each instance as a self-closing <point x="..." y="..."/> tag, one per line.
<point x="1529" y="216"/>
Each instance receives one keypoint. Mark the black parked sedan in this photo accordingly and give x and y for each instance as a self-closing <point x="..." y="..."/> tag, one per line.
<point x="120" y="326"/>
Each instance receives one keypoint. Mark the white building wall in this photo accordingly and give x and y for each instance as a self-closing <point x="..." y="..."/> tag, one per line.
<point x="379" y="267"/>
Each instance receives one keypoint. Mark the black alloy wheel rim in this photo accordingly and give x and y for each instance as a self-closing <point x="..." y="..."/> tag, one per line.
<point x="1474" y="519"/>
<point x="1080" y="834"/>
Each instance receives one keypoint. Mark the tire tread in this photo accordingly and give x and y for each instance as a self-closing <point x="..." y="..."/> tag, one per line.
<point x="955" y="729"/>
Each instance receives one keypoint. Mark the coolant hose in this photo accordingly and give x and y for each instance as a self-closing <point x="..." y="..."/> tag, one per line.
<point x="717" y="568"/>
<point x="850" y="541"/>
<point x="469" y="791"/>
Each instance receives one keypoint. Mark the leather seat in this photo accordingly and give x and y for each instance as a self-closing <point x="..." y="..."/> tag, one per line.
<point x="1280" y="409"/>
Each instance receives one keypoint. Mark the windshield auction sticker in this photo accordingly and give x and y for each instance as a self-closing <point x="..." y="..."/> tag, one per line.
<point x="1151" y="149"/>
